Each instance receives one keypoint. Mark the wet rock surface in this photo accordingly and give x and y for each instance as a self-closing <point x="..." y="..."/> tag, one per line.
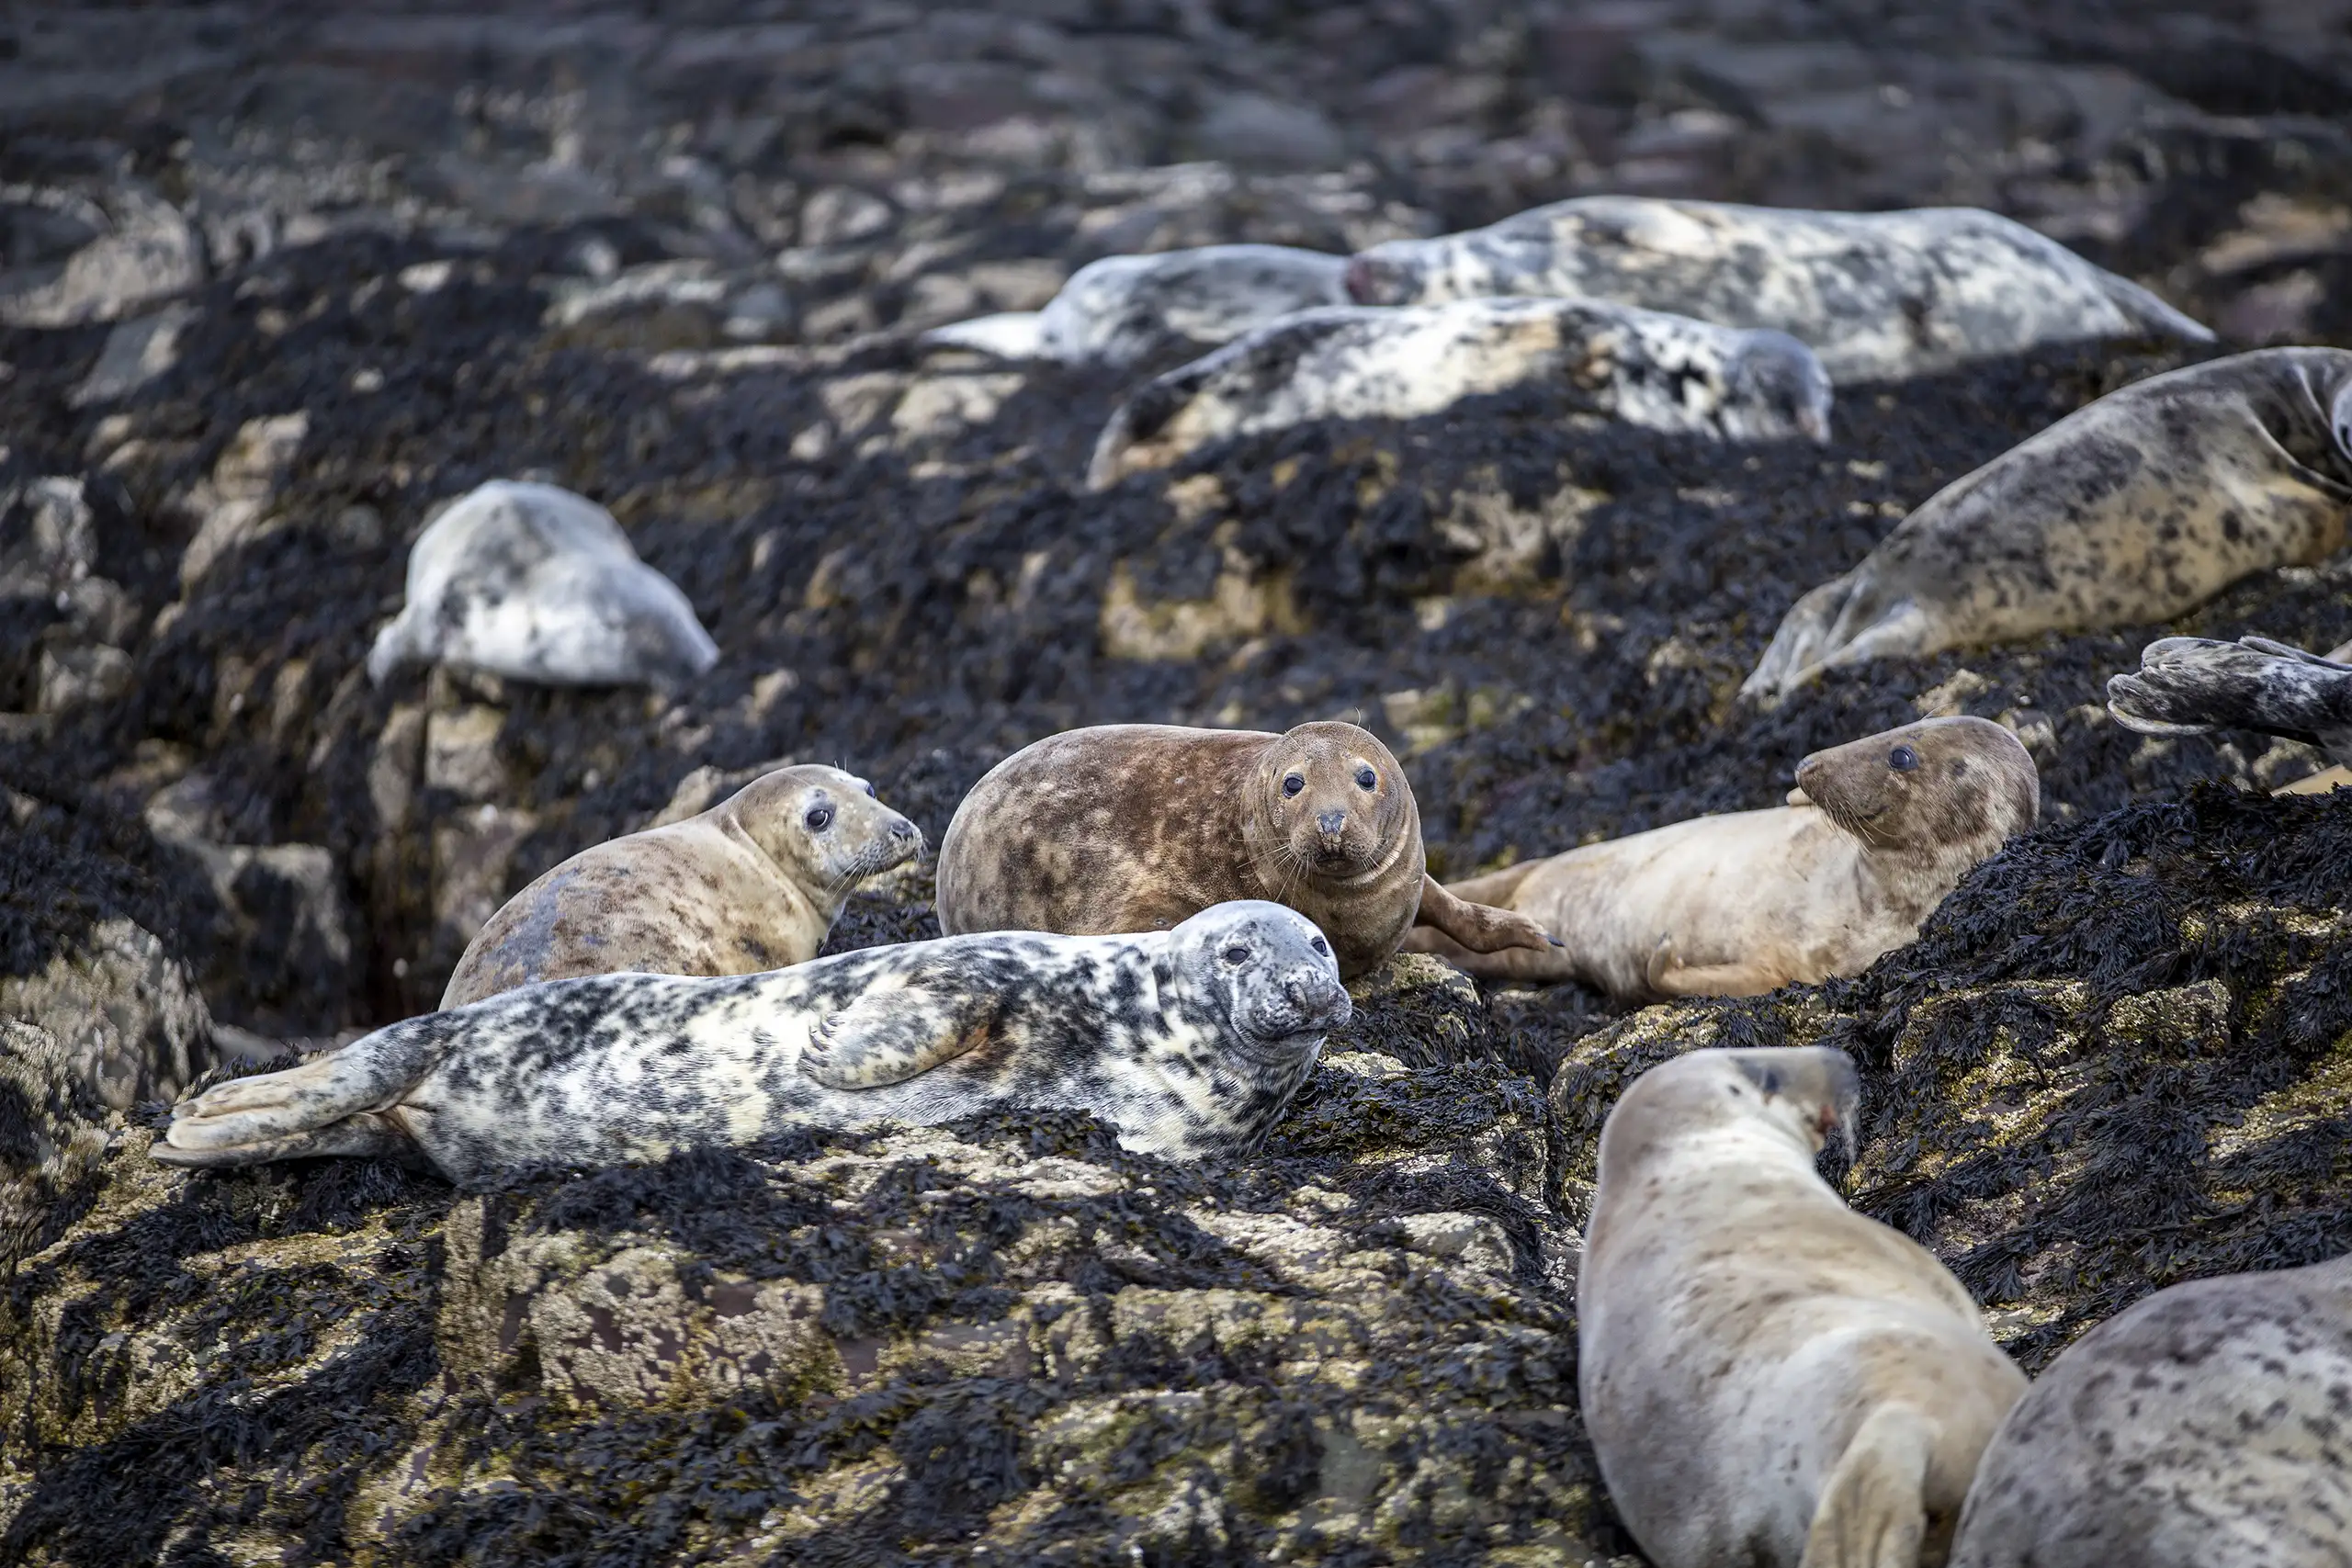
<point x="277" y="284"/>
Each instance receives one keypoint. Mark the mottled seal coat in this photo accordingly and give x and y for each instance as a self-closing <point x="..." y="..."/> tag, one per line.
<point x="1769" y="1378"/>
<point x="1878" y="295"/>
<point x="1115" y="310"/>
<point x="1878" y="831"/>
<point x="1662" y="372"/>
<point x="1190" y="1041"/>
<point x="2136" y="508"/>
<point x="2209" y="1426"/>
<point x="2187" y="685"/>
<point x="535" y="583"/>
<point x="754" y="883"/>
<point x="1134" y="826"/>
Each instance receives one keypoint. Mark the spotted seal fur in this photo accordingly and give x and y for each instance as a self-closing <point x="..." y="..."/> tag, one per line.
<point x="2189" y="685"/>
<point x="1767" y="1377"/>
<point x="1662" y="372"/>
<point x="1134" y="826"/>
<point x="1190" y="1041"/>
<point x="2134" y="509"/>
<point x="1878" y="295"/>
<point x="1878" y="831"/>
<point x="2204" y="1427"/>
<point x="754" y="883"/>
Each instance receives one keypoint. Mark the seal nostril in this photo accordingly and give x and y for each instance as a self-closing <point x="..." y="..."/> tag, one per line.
<point x="1332" y="821"/>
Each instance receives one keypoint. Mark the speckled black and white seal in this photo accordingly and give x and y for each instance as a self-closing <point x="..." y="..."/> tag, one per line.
<point x="2209" y="1426"/>
<point x="2187" y="685"/>
<point x="535" y="583"/>
<point x="2137" y="508"/>
<point x="1662" y="372"/>
<point x="1878" y="295"/>
<point x="1115" y="310"/>
<point x="1190" y="1041"/>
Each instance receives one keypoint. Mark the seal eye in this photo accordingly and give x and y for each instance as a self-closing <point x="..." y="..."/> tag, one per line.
<point x="820" y="817"/>
<point x="1903" y="759"/>
<point x="1771" y="1084"/>
<point x="1319" y="945"/>
<point x="1293" y="783"/>
<point x="1236" y="954"/>
<point x="1366" y="778"/>
<point x="870" y="794"/>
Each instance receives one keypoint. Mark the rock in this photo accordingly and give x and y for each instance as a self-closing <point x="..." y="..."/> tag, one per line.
<point x="48" y="538"/>
<point x="125" y="1016"/>
<point x="146" y="251"/>
<point x="81" y="677"/>
<point x="54" y="1131"/>
<point x="234" y="503"/>
<point x="136" y="353"/>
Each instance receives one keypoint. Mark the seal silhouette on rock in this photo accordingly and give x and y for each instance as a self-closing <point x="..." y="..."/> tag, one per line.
<point x="1190" y="1041"/>
<point x="1878" y="295"/>
<point x="1115" y="310"/>
<point x="535" y="583"/>
<point x="754" y="883"/>
<point x="1662" y="372"/>
<point x="1767" y="1377"/>
<point x="2138" y="507"/>
<point x="2204" y="1427"/>
<point x="1136" y="827"/>
<point x="1878" y="831"/>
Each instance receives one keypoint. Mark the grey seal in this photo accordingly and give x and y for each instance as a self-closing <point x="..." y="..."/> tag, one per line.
<point x="2138" y="507"/>
<point x="1767" y="1377"/>
<point x="1878" y="295"/>
<point x="2203" y="1428"/>
<point x="2188" y="685"/>
<point x="1662" y="372"/>
<point x="754" y="883"/>
<point x="1190" y="1041"/>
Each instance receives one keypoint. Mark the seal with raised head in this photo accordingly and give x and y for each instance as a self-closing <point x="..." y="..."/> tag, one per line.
<point x="1877" y="832"/>
<point x="535" y="583"/>
<point x="1134" y="826"/>
<point x="2136" y="508"/>
<point x="2203" y="1428"/>
<point x="1877" y="295"/>
<point x="1115" y="310"/>
<point x="1661" y="372"/>
<point x="1767" y="1377"/>
<point x="754" y="883"/>
<point x="1190" y="1041"/>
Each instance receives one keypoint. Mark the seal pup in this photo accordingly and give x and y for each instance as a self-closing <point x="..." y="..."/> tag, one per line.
<point x="537" y="584"/>
<point x="1661" y="372"/>
<point x="754" y="883"/>
<point x="1134" y="826"/>
<point x="2135" y="508"/>
<point x="1190" y="1041"/>
<point x="1878" y="295"/>
<point x="1115" y="310"/>
<point x="1767" y="1377"/>
<point x="2190" y="685"/>
<point x="2203" y="1428"/>
<point x="1876" y="833"/>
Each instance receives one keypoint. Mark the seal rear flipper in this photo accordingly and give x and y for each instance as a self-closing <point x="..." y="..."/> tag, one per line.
<point x="1800" y="642"/>
<point x="364" y="1136"/>
<point x="2151" y="314"/>
<point x="2185" y="685"/>
<point x="1481" y="928"/>
<point x="890" y="1036"/>
<point x="1669" y="976"/>
<point x="1872" y="1513"/>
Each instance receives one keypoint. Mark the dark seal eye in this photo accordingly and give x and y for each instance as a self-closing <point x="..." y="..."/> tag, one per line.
<point x="1903" y="759"/>
<point x="1236" y="954"/>
<point x="820" y="817"/>
<point x="1293" y="783"/>
<point x="1319" y="945"/>
<point x="1366" y="778"/>
<point x="870" y="794"/>
<point x="1771" y="1084"/>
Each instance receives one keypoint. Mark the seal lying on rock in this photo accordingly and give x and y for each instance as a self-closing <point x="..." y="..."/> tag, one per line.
<point x="535" y="583"/>
<point x="754" y="883"/>
<point x="1115" y="310"/>
<point x="1767" y="1377"/>
<point x="1661" y="372"/>
<point x="1134" y="826"/>
<point x="1878" y="295"/>
<point x="1877" y="832"/>
<point x="1191" y="1041"/>
<point x="2203" y="1429"/>
<point x="2187" y="685"/>
<point x="2138" y="507"/>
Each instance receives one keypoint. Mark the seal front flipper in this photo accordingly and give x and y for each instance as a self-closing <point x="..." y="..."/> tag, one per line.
<point x="1872" y="1513"/>
<point x="1669" y="976"/>
<point x="1481" y="928"/>
<point x="891" y="1036"/>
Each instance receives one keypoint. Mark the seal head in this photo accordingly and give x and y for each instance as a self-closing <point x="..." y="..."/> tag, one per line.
<point x="825" y="827"/>
<point x="1331" y="802"/>
<point x="1941" y="784"/>
<point x="1265" y="970"/>
<point x="1804" y="1094"/>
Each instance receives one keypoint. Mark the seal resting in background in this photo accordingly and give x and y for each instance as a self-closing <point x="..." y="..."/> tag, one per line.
<point x="1767" y="1377"/>
<point x="1877" y="832"/>
<point x="1190" y="1041"/>
<point x="1134" y="826"/>
<point x="2204" y="1427"/>
<point x="1661" y="372"/>
<point x="754" y="883"/>
<point x="1878" y="295"/>
<point x="2188" y="685"/>
<point x="2136" y="508"/>
<point x="537" y="584"/>
<point x="1115" y="310"/>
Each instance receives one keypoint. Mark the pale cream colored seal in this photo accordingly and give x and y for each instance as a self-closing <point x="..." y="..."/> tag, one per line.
<point x="1769" y="1378"/>
<point x="754" y="883"/>
<point x="1878" y="831"/>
